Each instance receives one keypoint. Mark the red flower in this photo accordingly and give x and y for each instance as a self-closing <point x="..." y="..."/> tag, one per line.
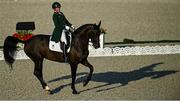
<point x="22" y="37"/>
<point x="16" y="35"/>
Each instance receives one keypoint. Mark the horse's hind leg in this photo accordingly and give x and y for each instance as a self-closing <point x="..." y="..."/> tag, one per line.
<point x="73" y="74"/>
<point x="86" y="63"/>
<point x="38" y="73"/>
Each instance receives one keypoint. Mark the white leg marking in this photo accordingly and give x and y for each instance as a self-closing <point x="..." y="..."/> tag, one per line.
<point x="47" y="88"/>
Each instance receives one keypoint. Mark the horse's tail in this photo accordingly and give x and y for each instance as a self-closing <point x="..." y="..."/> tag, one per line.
<point x="9" y="49"/>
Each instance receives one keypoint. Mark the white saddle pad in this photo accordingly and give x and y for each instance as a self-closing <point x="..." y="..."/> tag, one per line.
<point x="53" y="46"/>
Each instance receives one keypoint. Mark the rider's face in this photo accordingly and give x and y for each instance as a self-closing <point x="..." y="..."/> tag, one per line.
<point x="57" y="9"/>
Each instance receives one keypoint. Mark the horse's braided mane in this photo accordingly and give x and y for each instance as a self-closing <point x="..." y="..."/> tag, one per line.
<point x="83" y="27"/>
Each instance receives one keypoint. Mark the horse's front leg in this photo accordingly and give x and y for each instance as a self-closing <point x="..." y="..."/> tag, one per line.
<point x="86" y="63"/>
<point x="73" y="74"/>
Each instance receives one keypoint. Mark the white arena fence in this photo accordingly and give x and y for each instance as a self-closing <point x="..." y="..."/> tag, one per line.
<point x="118" y="51"/>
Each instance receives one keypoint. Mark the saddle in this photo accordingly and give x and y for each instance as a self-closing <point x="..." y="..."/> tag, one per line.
<point x="66" y="38"/>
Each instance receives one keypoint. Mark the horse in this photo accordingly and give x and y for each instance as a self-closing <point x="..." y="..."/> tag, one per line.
<point x="37" y="49"/>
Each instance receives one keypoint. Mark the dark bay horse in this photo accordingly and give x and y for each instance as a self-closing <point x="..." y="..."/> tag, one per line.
<point x="37" y="49"/>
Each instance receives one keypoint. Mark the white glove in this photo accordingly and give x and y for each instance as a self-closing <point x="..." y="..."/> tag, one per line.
<point x="72" y="28"/>
<point x="67" y="27"/>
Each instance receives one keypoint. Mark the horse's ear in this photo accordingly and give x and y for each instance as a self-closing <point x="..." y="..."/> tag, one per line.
<point x="99" y="23"/>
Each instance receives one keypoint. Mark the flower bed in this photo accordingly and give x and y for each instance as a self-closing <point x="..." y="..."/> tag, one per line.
<point x="23" y="37"/>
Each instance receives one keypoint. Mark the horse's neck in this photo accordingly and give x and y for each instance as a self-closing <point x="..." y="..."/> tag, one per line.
<point x="81" y="41"/>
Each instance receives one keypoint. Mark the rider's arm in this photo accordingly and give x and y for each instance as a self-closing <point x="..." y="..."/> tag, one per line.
<point x="66" y="21"/>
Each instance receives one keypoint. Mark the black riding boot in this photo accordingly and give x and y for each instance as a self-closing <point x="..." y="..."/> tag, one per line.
<point x="63" y="47"/>
<point x="65" y="54"/>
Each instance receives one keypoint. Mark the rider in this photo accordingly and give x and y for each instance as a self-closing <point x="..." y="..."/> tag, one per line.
<point x="60" y="23"/>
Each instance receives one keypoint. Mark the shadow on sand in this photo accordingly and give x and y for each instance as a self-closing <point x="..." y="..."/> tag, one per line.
<point x="118" y="79"/>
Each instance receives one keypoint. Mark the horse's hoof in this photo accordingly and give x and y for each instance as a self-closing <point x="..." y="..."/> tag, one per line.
<point x="75" y="92"/>
<point x="49" y="92"/>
